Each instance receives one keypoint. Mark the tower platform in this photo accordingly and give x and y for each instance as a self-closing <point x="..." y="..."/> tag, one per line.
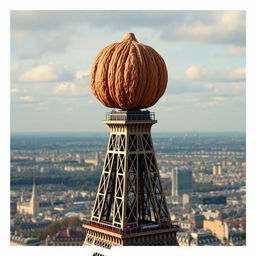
<point x="105" y="235"/>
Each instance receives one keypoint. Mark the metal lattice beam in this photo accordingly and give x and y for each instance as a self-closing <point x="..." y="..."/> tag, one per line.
<point x="130" y="189"/>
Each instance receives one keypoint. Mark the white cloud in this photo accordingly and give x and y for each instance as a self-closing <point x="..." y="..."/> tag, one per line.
<point x="69" y="89"/>
<point x="65" y="88"/>
<point x="198" y="73"/>
<point x="195" y="73"/>
<point x="221" y="27"/>
<point x="15" y="90"/>
<point x="41" y="73"/>
<point x="230" y="75"/>
<point x="219" y="98"/>
<point x="237" y="74"/>
<point x="235" y="50"/>
<point x="224" y="27"/>
<point x="46" y="73"/>
<point x="82" y="74"/>
<point x="27" y="98"/>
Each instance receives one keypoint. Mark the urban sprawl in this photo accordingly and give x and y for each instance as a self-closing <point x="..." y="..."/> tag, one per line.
<point x="54" y="181"/>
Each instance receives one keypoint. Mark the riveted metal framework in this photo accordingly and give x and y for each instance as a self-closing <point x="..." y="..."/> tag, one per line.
<point x="130" y="194"/>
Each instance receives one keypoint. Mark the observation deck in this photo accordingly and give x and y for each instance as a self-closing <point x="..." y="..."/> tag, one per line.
<point x="130" y="116"/>
<point x="164" y="227"/>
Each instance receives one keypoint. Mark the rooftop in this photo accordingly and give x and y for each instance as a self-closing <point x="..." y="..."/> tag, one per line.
<point x="25" y="240"/>
<point x="68" y="233"/>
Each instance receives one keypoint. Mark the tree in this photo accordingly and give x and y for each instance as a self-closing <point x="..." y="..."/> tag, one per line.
<point x="57" y="226"/>
<point x="74" y="222"/>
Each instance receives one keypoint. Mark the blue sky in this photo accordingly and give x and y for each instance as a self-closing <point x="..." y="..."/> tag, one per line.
<point x="52" y="51"/>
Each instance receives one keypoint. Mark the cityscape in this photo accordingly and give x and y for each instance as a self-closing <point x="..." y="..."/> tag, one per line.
<point x="167" y="165"/>
<point x="54" y="181"/>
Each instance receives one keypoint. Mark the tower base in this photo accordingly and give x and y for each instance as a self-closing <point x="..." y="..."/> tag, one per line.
<point x="104" y="236"/>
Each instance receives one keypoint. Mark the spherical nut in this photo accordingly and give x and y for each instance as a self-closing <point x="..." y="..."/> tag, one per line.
<point x="128" y="75"/>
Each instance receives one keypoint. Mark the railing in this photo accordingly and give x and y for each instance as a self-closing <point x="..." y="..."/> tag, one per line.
<point x="127" y="231"/>
<point x="130" y="115"/>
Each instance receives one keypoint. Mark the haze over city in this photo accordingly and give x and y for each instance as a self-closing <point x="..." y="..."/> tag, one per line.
<point x="52" y="52"/>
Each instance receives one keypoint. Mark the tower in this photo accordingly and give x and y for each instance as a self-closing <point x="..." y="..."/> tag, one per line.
<point x="174" y="181"/>
<point x="219" y="169"/>
<point x="181" y="182"/>
<point x="214" y="170"/>
<point x="22" y="197"/>
<point x="130" y="206"/>
<point x="34" y="205"/>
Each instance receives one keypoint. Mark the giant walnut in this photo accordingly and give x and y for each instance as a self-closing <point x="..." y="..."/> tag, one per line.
<point x="128" y="75"/>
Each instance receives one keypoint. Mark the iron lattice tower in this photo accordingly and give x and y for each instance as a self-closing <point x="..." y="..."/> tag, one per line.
<point x="130" y="206"/>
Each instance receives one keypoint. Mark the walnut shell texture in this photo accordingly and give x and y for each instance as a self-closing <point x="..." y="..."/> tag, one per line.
<point x="128" y="75"/>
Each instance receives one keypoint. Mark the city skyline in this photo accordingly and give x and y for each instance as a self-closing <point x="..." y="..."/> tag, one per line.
<point x="52" y="51"/>
<point x="67" y="173"/>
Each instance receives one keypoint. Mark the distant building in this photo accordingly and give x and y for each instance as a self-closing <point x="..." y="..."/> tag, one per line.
<point x="33" y="207"/>
<point x="27" y="229"/>
<point x="219" y="229"/>
<point x="30" y="207"/>
<point x="212" y="214"/>
<point x="185" y="199"/>
<point x="71" y="168"/>
<point x="13" y="208"/>
<point x="97" y="159"/>
<point x="202" y="238"/>
<point x="196" y="220"/>
<point x="184" y="238"/>
<point x="24" y="241"/>
<point x="236" y="239"/>
<point x="53" y="158"/>
<point x="222" y="231"/>
<point x="196" y="238"/>
<point x="185" y="224"/>
<point x="181" y="182"/>
<point x="215" y="200"/>
<point x="68" y="237"/>
<point x="217" y="170"/>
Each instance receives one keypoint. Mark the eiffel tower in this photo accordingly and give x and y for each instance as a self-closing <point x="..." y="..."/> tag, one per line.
<point x="130" y="206"/>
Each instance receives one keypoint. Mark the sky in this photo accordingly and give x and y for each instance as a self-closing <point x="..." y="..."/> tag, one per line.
<point x="52" y="52"/>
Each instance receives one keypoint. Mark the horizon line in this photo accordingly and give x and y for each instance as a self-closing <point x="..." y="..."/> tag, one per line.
<point x="13" y="132"/>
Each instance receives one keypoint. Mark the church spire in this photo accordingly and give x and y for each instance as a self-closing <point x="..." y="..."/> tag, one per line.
<point x="21" y="197"/>
<point x="33" y="200"/>
<point x="34" y="194"/>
